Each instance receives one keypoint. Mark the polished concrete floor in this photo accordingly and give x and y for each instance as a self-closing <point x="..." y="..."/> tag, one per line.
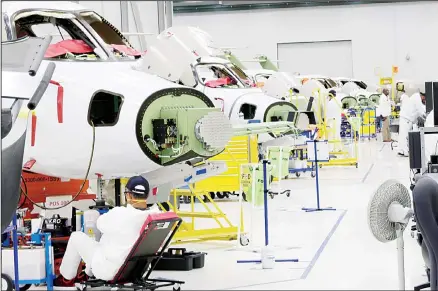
<point x="335" y="249"/>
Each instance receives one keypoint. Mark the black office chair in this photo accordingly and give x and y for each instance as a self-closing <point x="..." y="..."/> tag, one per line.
<point x="425" y="196"/>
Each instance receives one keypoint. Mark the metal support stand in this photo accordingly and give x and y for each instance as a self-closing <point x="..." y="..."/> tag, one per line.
<point x="265" y="202"/>
<point x="100" y="202"/>
<point x="318" y="208"/>
<point x="400" y="255"/>
<point x="15" y="246"/>
<point x="117" y="192"/>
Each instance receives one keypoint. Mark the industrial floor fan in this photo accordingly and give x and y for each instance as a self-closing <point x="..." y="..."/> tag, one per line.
<point x="389" y="211"/>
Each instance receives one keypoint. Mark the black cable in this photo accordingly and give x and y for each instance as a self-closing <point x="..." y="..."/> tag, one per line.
<point x="21" y="193"/>
<point x="83" y="183"/>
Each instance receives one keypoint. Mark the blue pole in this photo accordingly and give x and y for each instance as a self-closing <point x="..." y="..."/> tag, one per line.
<point x="49" y="274"/>
<point x="316" y="175"/>
<point x="265" y="201"/>
<point x="15" y="245"/>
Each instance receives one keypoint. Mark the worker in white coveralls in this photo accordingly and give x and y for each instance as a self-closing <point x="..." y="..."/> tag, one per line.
<point x="384" y="111"/>
<point x="404" y="98"/>
<point x="415" y="108"/>
<point x="333" y="115"/>
<point x="120" y="228"/>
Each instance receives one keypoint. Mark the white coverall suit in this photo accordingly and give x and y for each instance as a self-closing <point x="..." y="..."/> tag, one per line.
<point x="409" y="113"/>
<point x="333" y="115"/>
<point x="120" y="229"/>
<point x="404" y="98"/>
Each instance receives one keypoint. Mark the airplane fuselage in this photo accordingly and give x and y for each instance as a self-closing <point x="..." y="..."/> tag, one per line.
<point x="63" y="149"/>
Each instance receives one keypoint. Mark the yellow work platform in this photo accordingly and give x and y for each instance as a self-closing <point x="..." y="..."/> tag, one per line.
<point x="240" y="150"/>
<point x="188" y="232"/>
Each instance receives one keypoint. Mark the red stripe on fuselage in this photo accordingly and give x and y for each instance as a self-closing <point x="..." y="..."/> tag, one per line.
<point x="34" y="121"/>
<point x="59" y="101"/>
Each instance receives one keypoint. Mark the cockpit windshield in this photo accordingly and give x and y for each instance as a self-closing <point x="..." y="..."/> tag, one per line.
<point x="361" y="84"/>
<point x="324" y="83"/>
<point x="244" y="78"/>
<point x="331" y="82"/>
<point x="86" y="37"/>
<point x="216" y="76"/>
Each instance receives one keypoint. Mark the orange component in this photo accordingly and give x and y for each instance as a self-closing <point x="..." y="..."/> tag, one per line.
<point x="39" y="187"/>
<point x="260" y="84"/>
<point x="304" y="81"/>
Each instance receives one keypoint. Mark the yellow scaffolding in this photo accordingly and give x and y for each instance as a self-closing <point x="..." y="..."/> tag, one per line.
<point x="343" y="157"/>
<point x="240" y="150"/>
<point x="188" y="232"/>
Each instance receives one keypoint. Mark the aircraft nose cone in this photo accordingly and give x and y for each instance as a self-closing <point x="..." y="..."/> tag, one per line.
<point x="214" y="130"/>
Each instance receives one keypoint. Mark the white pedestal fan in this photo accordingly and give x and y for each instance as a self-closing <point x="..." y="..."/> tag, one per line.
<point x="389" y="211"/>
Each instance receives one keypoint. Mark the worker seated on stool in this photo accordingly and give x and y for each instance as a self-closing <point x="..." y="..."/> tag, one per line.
<point x="120" y="228"/>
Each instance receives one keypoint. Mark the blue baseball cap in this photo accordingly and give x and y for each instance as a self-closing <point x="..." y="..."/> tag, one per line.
<point x="138" y="185"/>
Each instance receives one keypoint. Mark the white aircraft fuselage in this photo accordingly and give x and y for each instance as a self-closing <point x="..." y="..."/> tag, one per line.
<point x="59" y="139"/>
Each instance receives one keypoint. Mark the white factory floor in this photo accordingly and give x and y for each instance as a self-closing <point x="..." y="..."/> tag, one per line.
<point x="335" y="249"/>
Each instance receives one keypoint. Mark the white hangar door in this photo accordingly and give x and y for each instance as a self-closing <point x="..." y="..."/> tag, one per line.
<point x="328" y="58"/>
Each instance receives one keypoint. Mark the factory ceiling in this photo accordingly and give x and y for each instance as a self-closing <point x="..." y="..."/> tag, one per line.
<point x="211" y="6"/>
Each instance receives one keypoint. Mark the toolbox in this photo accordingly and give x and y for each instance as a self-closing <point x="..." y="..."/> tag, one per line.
<point x="179" y="259"/>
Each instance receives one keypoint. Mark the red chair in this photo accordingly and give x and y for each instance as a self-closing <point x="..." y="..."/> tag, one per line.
<point x="156" y="235"/>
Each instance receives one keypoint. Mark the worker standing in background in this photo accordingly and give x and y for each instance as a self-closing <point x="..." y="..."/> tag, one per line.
<point x="404" y="98"/>
<point x="385" y="112"/>
<point x="333" y="116"/>
<point x="120" y="228"/>
<point x="412" y="110"/>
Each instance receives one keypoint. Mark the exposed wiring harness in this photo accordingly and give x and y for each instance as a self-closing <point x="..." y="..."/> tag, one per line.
<point x="80" y="189"/>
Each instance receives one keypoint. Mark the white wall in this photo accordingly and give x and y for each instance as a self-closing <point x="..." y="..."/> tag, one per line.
<point x="329" y="58"/>
<point x="381" y="34"/>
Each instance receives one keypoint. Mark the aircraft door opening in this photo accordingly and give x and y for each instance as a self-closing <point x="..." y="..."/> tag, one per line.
<point x="327" y="58"/>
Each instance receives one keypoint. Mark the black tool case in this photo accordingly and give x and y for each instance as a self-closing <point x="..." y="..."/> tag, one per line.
<point x="179" y="259"/>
